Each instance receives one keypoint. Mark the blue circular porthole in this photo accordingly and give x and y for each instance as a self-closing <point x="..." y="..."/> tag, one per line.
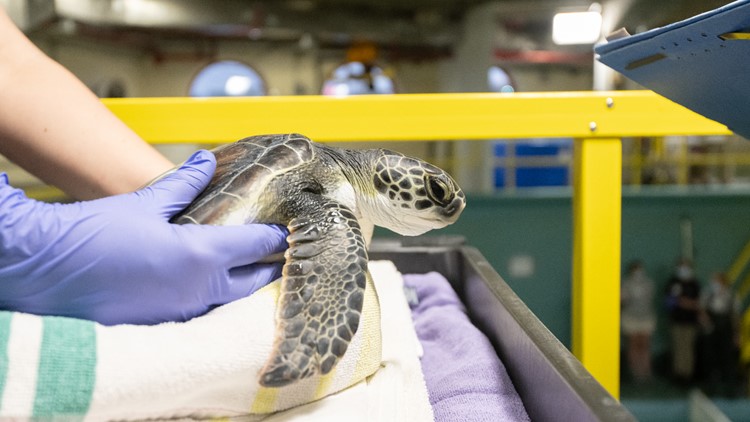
<point x="499" y="80"/>
<point x="227" y="78"/>
<point x="356" y="78"/>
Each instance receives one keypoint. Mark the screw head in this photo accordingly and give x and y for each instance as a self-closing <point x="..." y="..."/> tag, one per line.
<point x="610" y="102"/>
<point x="592" y="126"/>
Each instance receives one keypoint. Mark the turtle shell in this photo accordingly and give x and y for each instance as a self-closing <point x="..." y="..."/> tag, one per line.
<point x="244" y="170"/>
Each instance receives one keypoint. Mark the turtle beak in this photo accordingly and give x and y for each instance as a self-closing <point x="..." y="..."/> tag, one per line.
<point x="453" y="210"/>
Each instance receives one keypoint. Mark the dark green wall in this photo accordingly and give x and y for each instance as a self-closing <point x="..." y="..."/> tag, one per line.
<point x="538" y="223"/>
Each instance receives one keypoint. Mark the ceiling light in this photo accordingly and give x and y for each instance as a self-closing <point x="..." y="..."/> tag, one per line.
<point x="576" y="27"/>
<point x="237" y="85"/>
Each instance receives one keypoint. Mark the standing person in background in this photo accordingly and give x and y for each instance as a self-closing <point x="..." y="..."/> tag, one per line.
<point x="721" y="313"/>
<point x="683" y="305"/>
<point x="638" y="319"/>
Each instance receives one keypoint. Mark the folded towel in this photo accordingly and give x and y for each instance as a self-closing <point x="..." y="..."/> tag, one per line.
<point x="204" y="368"/>
<point x="465" y="378"/>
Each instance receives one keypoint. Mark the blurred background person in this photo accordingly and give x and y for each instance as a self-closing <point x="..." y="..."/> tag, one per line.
<point x="638" y="320"/>
<point x="683" y="306"/>
<point x="720" y="309"/>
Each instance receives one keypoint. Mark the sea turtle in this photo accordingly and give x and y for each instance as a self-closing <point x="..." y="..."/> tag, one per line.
<point x="330" y="199"/>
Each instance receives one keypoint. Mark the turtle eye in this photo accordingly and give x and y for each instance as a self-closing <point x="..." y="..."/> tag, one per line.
<point x="438" y="190"/>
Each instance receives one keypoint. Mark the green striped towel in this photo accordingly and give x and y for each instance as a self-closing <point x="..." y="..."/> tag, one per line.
<point x="55" y="367"/>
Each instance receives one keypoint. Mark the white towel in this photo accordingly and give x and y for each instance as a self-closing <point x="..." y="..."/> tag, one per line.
<point x="205" y="368"/>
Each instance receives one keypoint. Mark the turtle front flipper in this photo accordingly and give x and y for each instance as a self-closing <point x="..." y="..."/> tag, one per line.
<point x="322" y="292"/>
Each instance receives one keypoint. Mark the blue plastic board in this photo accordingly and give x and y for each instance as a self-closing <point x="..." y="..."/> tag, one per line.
<point x="528" y="177"/>
<point x="534" y="176"/>
<point x="702" y="63"/>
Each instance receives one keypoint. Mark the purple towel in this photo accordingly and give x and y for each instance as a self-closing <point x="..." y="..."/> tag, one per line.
<point x="465" y="379"/>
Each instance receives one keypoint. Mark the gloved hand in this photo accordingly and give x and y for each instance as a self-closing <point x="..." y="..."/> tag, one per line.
<point x="118" y="259"/>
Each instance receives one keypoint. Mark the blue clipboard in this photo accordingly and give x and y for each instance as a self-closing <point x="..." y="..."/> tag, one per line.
<point x="702" y="63"/>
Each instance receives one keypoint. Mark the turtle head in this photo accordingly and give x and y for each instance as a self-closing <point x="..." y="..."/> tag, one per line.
<point x="413" y="196"/>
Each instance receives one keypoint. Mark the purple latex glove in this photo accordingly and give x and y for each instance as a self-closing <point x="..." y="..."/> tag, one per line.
<point x="118" y="260"/>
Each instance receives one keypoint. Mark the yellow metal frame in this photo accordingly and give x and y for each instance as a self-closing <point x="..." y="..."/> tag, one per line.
<point x="413" y="117"/>
<point x="597" y="171"/>
<point x="597" y="120"/>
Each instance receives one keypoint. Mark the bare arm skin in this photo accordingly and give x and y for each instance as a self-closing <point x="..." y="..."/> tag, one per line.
<point x="53" y="126"/>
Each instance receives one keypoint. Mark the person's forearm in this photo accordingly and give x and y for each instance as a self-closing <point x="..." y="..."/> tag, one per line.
<point x="57" y="129"/>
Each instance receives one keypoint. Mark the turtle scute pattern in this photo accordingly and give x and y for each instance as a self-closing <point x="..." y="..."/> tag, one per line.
<point x="243" y="168"/>
<point x="322" y="294"/>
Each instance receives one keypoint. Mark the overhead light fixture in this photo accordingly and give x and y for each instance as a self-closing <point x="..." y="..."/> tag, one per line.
<point x="577" y="27"/>
<point x="237" y="85"/>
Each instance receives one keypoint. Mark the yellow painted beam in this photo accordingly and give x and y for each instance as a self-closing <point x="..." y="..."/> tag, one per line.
<point x="596" y="258"/>
<point x="739" y="264"/>
<point x="412" y="116"/>
<point x="743" y="289"/>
